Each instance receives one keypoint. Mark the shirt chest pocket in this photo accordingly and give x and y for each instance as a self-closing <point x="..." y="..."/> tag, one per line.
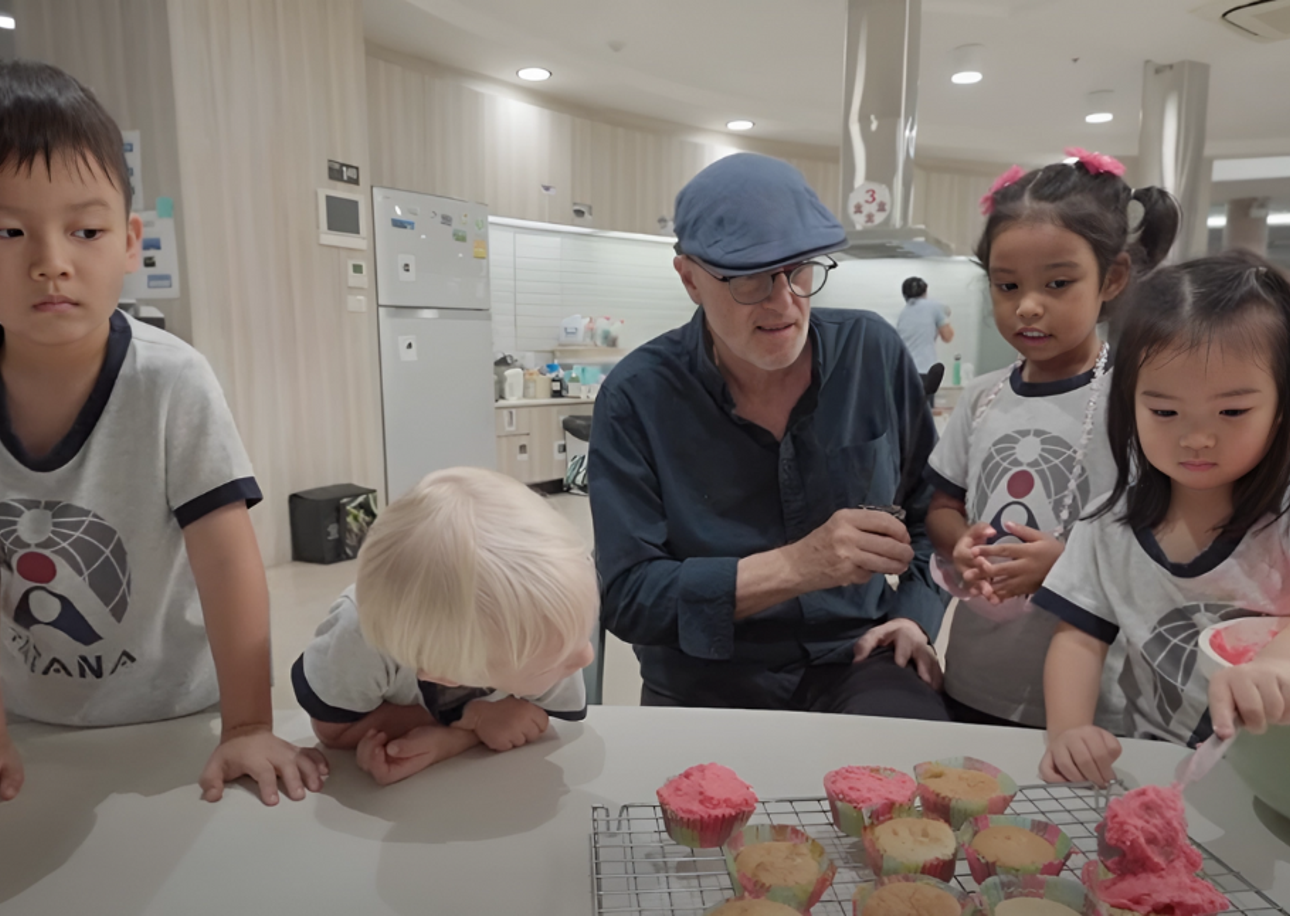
<point x="865" y="473"/>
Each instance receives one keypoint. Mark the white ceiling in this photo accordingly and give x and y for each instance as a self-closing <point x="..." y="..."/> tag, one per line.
<point x="779" y="63"/>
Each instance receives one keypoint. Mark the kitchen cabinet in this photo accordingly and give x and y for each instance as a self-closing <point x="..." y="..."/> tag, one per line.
<point x="530" y="437"/>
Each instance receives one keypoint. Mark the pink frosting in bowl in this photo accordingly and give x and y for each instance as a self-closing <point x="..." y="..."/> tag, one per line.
<point x="705" y="790"/>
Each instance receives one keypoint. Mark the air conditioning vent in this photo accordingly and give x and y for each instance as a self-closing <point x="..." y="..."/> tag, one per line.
<point x="1258" y="20"/>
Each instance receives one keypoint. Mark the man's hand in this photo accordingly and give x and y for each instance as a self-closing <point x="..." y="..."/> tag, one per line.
<point x="504" y="724"/>
<point x="850" y="548"/>
<point x="390" y="760"/>
<point x="1257" y="692"/>
<point x="11" y="774"/>
<point x="1085" y="753"/>
<point x="964" y="555"/>
<point x="909" y="642"/>
<point x="266" y="758"/>
<point x="1016" y="570"/>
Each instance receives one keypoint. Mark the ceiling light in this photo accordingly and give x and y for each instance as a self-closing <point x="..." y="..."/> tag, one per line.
<point x="6" y="22"/>
<point x="534" y="74"/>
<point x="739" y="124"/>
<point x="966" y="64"/>
<point x="1098" y="109"/>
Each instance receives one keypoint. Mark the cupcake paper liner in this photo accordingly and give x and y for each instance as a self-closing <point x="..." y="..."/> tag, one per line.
<point x="958" y="811"/>
<point x="883" y="865"/>
<point x="703" y="832"/>
<point x="800" y="897"/>
<point x="852" y="820"/>
<point x="967" y="902"/>
<point x="982" y="868"/>
<point x="1065" y="891"/>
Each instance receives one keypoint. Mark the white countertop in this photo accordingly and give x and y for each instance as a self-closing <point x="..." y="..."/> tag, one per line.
<point x="110" y="820"/>
<point x="544" y="402"/>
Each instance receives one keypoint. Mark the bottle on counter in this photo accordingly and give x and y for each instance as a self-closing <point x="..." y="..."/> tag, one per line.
<point x="575" y="385"/>
<point x="956" y="373"/>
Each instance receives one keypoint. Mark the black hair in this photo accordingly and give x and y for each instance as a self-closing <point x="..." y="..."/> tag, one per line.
<point x="913" y="288"/>
<point x="1237" y="296"/>
<point x="45" y="112"/>
<point x="1093" y="206"/>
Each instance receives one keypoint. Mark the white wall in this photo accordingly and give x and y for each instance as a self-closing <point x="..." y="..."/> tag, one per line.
<point x="541" y="275"/>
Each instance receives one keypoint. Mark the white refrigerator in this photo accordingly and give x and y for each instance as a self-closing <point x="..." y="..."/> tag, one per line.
<point x="436" y="335"/>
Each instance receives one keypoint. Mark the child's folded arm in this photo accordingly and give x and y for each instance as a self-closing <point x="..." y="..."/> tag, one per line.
<point x="389" y="718"/>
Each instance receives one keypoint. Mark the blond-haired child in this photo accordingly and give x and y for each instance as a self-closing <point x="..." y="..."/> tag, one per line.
<point x="469" y="623"/>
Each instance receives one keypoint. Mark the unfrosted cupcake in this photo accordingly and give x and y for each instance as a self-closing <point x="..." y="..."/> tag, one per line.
<point x="780" y="863"/>
<point x="960" y="788"/>
<point x="1037" y="895"/>
<point x="751" y="906"/>
<point x="1000" y="844"/>
<point x="862" y="795"/>
<point x="706" y="804"/>
<point x="911" y="846"/>
<point x="909" y="895"/>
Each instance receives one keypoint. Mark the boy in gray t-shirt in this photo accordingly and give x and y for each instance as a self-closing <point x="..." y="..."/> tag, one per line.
<point x="131" y="587"/>
<point x="469" y="624"/>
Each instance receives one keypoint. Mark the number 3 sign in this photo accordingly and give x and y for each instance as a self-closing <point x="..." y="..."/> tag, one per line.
<point x="869" y="204"/>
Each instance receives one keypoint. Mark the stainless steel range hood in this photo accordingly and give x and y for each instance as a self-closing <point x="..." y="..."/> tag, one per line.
<point x="879" y="127"/>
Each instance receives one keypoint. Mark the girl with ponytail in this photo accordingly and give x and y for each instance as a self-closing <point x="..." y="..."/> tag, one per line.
<point x="1026" y="447"/>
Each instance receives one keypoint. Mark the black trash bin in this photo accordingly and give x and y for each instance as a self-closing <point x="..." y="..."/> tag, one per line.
<point x="328" y="524"/>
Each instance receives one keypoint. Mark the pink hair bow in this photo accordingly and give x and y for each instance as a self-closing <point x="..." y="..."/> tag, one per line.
<point x="1095" y="163"/>
<point x="1009" y="177"/>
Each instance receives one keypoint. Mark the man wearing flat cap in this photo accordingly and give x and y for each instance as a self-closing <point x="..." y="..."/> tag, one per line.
<point x="731" y="464"/>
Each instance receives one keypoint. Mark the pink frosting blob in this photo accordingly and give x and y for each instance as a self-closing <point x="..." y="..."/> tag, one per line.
<point x="863" y="787"/>
<point x="705" y="790"/>
<point x="1239" y="652"/>
<point x="1157" y="872"/>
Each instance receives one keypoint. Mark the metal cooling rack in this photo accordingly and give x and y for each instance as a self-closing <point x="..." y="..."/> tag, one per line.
<point x="638" y="871"/>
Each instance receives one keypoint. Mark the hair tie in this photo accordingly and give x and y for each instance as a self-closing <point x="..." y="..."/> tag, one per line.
<point x="1012" y="176"/>
<point x="1096" y="163"/>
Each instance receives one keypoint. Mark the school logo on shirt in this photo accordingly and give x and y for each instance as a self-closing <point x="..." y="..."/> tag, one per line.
<point x="67" y="589"/>
<point x="1024" y="478"/>
<point x="1169" y="678"/>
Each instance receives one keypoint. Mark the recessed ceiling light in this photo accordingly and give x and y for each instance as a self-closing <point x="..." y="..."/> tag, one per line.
<point x="6" y="22"/>
<point x="966" y="64"/>
<point x="739" y="124"/>
<point x="1099" y="107"/>
<point x="534" y="74"/>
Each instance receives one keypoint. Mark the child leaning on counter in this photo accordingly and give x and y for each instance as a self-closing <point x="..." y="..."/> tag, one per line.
<point x="469" y="623"/>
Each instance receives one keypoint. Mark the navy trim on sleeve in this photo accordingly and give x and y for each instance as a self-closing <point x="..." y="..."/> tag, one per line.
<point x="948" y="487"/>
<point x="575" y="715"/>
<point x="1076" y="616"/>
<point x="244" y="489"/>
<point x="315" y="707"/>
<point x="67" y="448"/>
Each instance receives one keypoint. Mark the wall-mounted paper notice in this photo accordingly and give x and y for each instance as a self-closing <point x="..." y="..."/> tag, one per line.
<point x="134" y="162"/>
<point x="158" y="273"/>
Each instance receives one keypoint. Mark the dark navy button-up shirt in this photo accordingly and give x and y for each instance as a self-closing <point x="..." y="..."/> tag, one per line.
<point x="682" y="488"/>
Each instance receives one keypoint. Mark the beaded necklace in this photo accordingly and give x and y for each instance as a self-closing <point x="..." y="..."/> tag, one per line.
<point x="1086" y="434"/>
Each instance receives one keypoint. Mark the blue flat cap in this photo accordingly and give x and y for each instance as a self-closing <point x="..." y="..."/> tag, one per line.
<point x="748" y="213"/>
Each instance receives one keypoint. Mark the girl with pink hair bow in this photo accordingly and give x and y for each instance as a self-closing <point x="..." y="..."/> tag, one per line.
<point x="1026" y="447"/>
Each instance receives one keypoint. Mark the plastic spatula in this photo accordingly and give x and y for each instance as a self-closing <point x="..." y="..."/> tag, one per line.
<point x="1196" y="765"/>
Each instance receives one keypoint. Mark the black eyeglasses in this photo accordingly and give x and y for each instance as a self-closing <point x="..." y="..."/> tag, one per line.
<point x="805" y="280"/>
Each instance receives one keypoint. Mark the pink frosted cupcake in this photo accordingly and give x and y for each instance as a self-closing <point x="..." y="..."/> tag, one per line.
<point x="859" y="796"/>
<point x="961" y="788"/>
<point x="705" y="804"/>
